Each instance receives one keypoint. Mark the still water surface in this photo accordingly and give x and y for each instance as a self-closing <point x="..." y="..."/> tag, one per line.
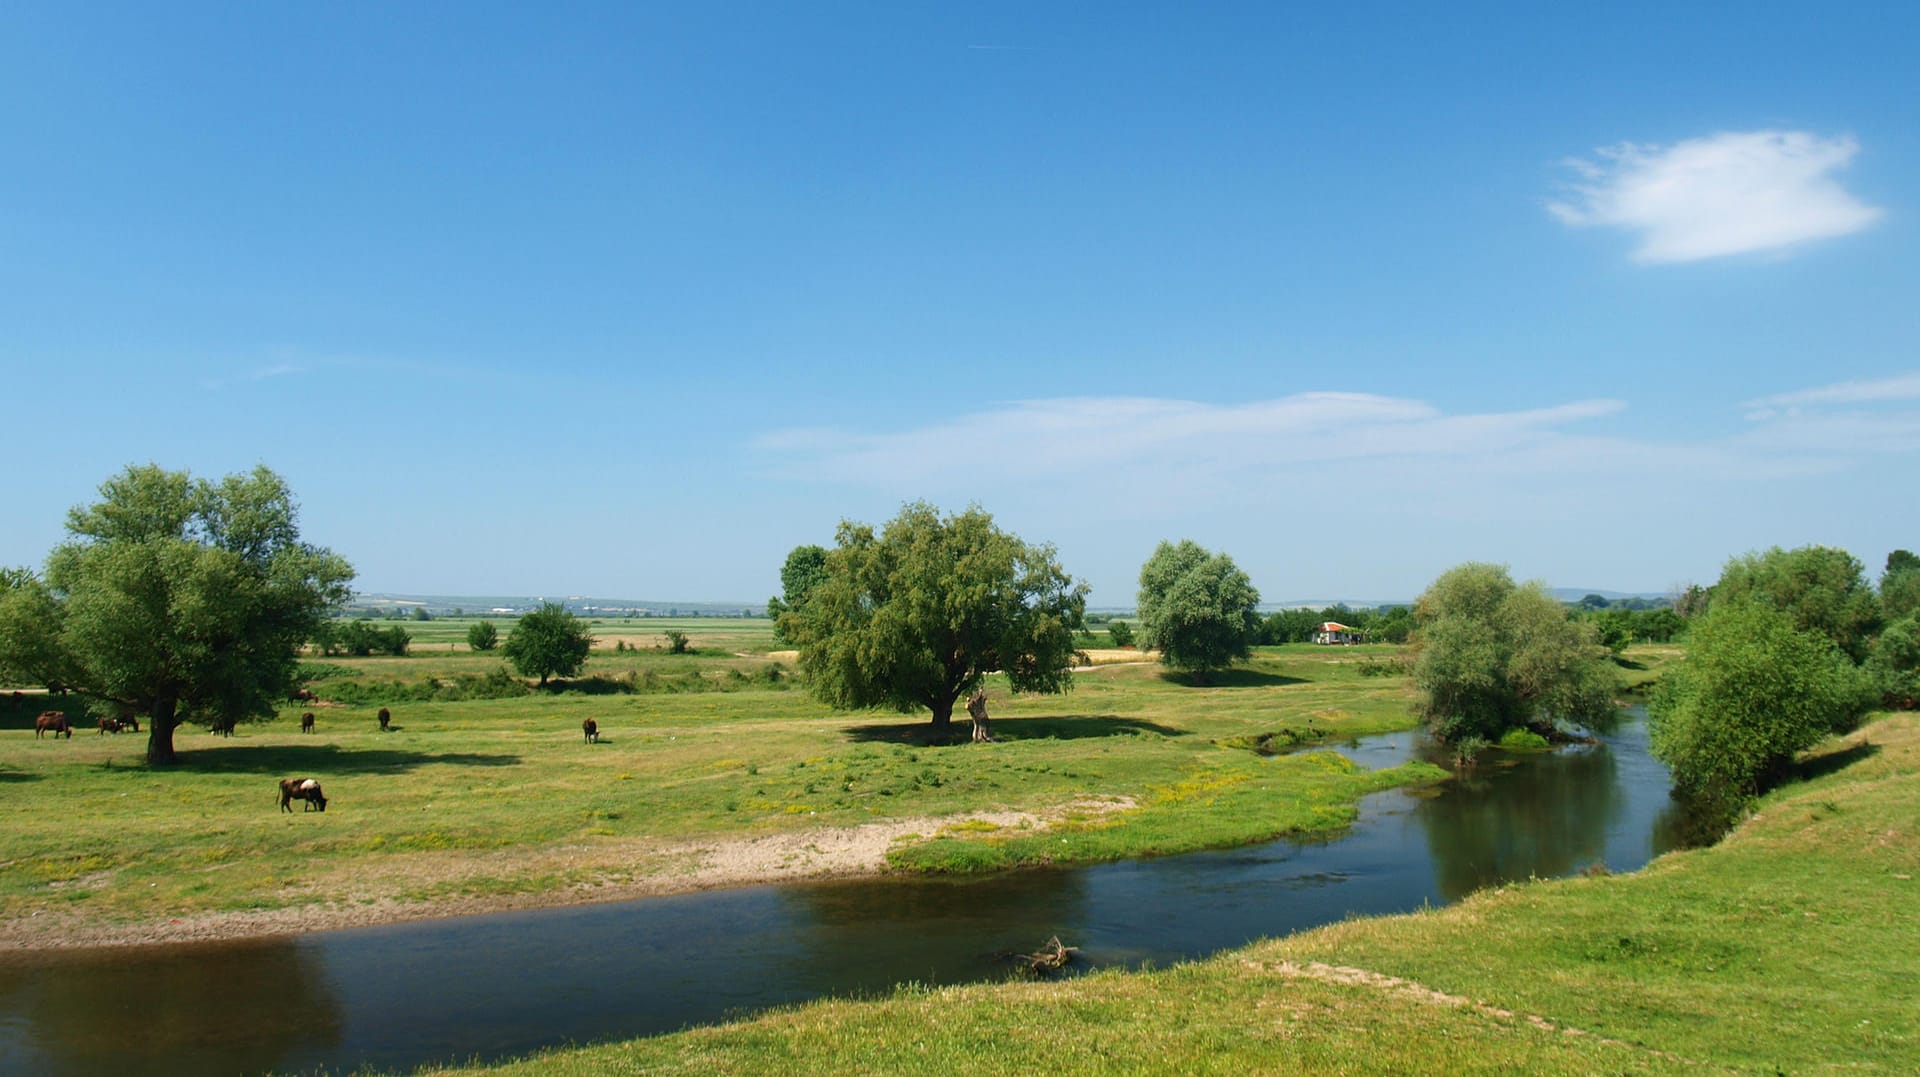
<point x="491" y="986"/>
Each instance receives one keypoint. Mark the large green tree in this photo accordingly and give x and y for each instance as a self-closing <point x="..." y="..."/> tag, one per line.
<point x="1492" y="656"/>
<point x="549" y="642"/>
<point x="1197" y="607"/>
<point x="175" y="597"/>
<point x="1822" y="588"/>
<point x="1753" y="690"/>
<point x="918" y="614"/>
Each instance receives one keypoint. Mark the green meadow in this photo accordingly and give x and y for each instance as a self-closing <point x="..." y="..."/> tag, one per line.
<point x="474" y="795"/>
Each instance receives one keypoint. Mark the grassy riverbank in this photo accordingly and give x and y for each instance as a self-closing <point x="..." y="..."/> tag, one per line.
<point x="1792" y="946"/>
<point x="477" y="803"/>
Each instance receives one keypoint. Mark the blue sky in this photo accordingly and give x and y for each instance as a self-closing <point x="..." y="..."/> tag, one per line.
<point x="629" y="300"/>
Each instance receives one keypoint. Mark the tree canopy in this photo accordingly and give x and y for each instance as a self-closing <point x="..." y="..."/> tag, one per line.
<point x="1197" y="607"/>
<point x="917" y="615"/>
<point x="1491" y="656"/>
<point x="549" y="642"/>
<point x="1823" y="589"/>
<point x="174" y="597"/>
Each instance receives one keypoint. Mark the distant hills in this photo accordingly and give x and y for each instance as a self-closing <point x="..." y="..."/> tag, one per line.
<point x="380" y="603"/>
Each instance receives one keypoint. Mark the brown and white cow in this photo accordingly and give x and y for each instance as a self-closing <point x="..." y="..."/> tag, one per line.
<point x="292" y="789"/>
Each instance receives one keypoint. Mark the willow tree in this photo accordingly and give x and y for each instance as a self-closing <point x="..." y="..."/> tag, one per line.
<point x="1491" y="656"/>
<point x="918" y="615"/>
<point x="1197" y="608"/>
<point x="175" y="597"/>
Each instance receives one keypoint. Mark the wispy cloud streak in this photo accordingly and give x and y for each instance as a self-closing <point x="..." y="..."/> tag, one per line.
<point x="1729" y="193"/>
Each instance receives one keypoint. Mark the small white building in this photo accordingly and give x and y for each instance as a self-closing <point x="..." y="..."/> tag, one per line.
<point x="1335" y="632"/>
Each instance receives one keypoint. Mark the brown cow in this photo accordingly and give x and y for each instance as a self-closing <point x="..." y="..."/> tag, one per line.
<point x="385" y="717"/>
<point x="303" y="695"/>
<point x="52" y="720"/>
<point x="292" y="789"/>
<point x="109" y="725"/>
<point x="223" y="726"/>
<point x="306" y="722"/>
<point x="592" y="729"/>
<point x="130" y="722"/>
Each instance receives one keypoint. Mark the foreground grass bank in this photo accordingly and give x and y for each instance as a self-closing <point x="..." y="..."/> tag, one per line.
<point x="1793" y="946"/>
<point x="478" y="800"/>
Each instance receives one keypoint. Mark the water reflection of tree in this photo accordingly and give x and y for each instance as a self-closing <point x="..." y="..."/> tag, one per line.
<point x="879" y="933"/>
<point x="243" y="1008"/>
<point x="1550" y="816"/>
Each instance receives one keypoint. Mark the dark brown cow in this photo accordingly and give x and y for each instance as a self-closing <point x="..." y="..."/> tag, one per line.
<point x="306" y="722"/>
<point x="592" y="729"/>
<point x="385" y="717"/>
<point x="292" y="789"/>
<point x="130" y="722"/>
<point x="223" y="726"/>
<point x="56" y="721"/>
<point x="303" y="695"/>
<point x="109" y="725"/>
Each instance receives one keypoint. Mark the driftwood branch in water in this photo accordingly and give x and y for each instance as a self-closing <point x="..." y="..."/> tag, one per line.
<point x="1051" y="957"/>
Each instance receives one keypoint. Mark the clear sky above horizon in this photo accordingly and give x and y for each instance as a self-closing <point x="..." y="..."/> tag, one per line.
<point x="629" y="300"/>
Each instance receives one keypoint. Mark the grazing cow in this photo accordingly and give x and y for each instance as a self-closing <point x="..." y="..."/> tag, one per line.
<point x="130" y="722"/>
<point x="56" y="721"/>
<point x="385" y="717"/>
<point x="223" y="726"/>
<point x="592" y="729"/>
<point x="109" y="725"/>
<point x="292" y="789"/>
<point x="303" y="695"/>
<point x="306" y="722"/>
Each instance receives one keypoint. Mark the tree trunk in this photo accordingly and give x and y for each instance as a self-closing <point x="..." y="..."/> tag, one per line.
<point x="943" y="715"/>
<point x="977" y="710"/>
<point x="160" y="733"/>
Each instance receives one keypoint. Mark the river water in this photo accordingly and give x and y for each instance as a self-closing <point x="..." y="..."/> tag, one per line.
<point x="492" y="986"/>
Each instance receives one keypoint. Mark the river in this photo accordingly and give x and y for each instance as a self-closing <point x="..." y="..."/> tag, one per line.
<point x="493" y="986"/>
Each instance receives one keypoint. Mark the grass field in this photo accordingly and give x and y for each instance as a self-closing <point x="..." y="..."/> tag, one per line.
<point x="1791" y="947"/>
<point x="471" y="798"/>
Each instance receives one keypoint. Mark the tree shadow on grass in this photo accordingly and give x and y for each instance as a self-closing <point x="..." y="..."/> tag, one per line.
<point x="1230" y="678"/>
<point x="10" y="776"/>
<point x="589" y="686"/>
<point x="1824" y="764"/>
<point x="328" y="759"/>
<point x="1054" y="727"/>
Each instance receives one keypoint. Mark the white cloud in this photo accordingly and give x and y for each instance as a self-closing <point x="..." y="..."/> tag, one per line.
<point x="1160" y="454"/>
<point x="1097" y="438"/>
<point x="1730" y="193"/>
<point x="1901" y="387"/>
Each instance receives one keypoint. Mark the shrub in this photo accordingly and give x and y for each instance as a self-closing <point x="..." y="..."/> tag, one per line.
<point x="1122" y="633"/>
<point x="483" y="636"/>
<point x="1752" y="691"/>
<point x="676" y="641"/>
<point x="1523" y="740"/>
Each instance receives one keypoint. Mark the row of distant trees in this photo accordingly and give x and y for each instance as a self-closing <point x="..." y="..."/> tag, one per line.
<point x="179" y="598"/>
